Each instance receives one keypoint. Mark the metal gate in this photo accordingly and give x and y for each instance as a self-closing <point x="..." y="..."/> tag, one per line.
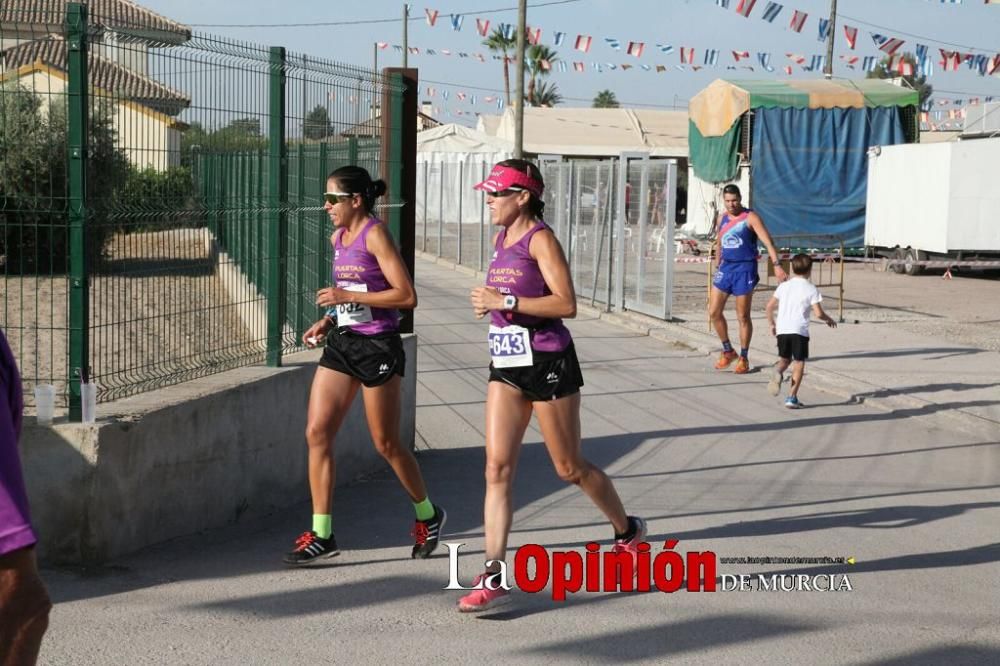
<point x="615" y="220"/>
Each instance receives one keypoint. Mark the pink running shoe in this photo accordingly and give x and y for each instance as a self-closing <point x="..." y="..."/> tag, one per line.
<point x="632" y="545"/>
<point x="483" y="599"/>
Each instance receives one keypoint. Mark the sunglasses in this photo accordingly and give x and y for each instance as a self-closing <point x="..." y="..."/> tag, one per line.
<point x="337" y="197"/>
<point x="504" y="193"/>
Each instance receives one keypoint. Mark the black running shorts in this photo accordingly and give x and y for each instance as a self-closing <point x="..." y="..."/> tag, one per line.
<point x="553" y="375"/>
<point x="373" y="359"/>
<point x="793" y="346"/>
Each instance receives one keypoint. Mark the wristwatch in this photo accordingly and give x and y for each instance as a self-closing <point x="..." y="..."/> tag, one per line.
<point x="509" y="302"/>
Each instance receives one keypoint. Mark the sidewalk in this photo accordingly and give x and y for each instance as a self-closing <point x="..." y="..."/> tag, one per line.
<point x="708" y="458"/>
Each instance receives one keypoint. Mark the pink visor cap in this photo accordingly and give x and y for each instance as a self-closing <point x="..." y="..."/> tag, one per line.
<point x="507" y="178"/>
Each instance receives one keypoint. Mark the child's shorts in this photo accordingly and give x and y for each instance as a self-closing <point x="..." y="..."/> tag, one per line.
<point x="793" y="346"/>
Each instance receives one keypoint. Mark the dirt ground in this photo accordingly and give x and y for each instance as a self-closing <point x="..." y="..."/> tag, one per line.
<point x="161" y="312"/>
<point x="964" y="310"/>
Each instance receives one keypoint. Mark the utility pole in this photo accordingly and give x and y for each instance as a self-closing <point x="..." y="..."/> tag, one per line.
<point x="406" y="32"/>
<point x="828" y="70"/>
<point x="522" y="19"/>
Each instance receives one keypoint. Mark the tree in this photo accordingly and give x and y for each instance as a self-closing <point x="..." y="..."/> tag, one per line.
<point x="316" y="124"/>
<point x="33" y="181"/>
<point x="497" y="42"/>
<point x="918" y="83"/>
<point x="605" y="100"/>
<point x="538" y="62"/>
<point x="547" y="94"/>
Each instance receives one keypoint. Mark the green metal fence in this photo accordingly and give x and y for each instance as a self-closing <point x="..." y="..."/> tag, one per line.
<point x="160" y="195"/>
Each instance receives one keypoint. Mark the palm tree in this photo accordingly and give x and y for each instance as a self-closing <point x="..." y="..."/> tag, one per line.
<point x="547" y="94"/>
<point x="538" y="62"/>
<point x="497" y="42"/>
<point x="605" y="100"/>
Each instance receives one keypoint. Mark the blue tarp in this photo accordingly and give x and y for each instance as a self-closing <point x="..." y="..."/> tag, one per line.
<point x="810" y="168"/>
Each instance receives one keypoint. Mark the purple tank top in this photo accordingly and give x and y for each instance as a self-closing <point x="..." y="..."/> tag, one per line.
<point x="354" y="265"/>
<point x="15" y="526"/>
<point x="513" y="271"/>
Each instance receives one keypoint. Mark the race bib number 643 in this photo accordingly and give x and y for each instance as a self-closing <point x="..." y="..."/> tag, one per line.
<point x="510" y="346"/>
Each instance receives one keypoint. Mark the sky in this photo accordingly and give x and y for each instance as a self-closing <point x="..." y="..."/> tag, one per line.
<point x="970" y="26"/>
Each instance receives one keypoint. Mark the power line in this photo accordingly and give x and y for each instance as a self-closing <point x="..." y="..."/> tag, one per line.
<point x="324" y="24"/>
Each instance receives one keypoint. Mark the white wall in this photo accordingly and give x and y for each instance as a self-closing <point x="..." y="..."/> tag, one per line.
<point x="907" y="203"/>
<point x="974" y="205"/>
<point x="935" y="197"/>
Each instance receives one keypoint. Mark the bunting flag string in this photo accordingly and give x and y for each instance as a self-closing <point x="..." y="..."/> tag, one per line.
<point x="922" y="65"/>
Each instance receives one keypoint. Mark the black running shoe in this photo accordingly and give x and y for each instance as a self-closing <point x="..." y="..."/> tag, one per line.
<point x="310" y="547"/>
<point x="427" y="532"/>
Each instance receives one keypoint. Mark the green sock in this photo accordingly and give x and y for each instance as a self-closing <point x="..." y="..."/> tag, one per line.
<point x="425" y="510"/>
<point x="323" y="525"/>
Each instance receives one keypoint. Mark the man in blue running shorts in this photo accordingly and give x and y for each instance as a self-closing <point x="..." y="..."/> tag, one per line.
<point x="738" y="230"/>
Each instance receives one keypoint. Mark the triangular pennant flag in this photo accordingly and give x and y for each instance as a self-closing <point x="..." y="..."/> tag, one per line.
<point x="661" y="68"/>
<point x="578" y="66"/>
<point x="432" y="16"/>
<point x="613" y="43"/>
<point x="852" y="36"/>
<point x="888" y="44"/>
<point x="582" y="43"/>
<point x="687" y="55"/>
<point x="483" y="27"/>
<point x="798" y="21"/>
<point x="509" y="30"/>
<point x="739" y="55"/>
<point x="533" y="36"/>
<point x="823" y="29"/>
<point x="771" y="11"/>
<point x="765" y="61"/>
<point x="711" y="57"/>
<point x="635" y="49"/>
<point x="745" y="7"/>
<point x="558" y="38"/>
<point x="384" y="45"/>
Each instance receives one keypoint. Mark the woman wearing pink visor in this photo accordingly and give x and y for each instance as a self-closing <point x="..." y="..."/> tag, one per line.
<point x="534" y="367"/>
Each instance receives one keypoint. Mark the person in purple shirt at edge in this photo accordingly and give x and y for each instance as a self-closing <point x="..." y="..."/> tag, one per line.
<point x="24" y="602"/>
<point x="363" y="350"/>
<point x="534" y="368"/>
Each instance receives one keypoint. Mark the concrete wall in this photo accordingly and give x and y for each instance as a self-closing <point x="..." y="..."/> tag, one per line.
<point x="204" y="454"/>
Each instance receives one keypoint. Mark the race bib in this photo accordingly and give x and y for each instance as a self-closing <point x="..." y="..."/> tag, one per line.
<point x="352" y="314"/>
<point x="510" y="346"/>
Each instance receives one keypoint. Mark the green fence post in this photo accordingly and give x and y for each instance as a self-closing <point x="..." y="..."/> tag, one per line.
<point x="277" y="209"/>
<point x="79" y="283"/>
<point x="302" y="322"/>
<point x="322" y="224"/>
<point x="393" y="166"/>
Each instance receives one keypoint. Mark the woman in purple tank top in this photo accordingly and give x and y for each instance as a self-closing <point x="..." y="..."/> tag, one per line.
<point x="24" y="602"/>
<point x="534" y="368"/>
<point x="364" y="351"/>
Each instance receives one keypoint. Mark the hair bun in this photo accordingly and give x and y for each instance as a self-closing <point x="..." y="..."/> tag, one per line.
<point x="377" y="188"/>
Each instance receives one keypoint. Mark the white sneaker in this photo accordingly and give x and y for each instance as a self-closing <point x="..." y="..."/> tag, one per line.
<point x="774" y="386"/>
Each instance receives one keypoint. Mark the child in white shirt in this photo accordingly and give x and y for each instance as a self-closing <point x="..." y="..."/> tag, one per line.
<point x="794" y="299"/>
